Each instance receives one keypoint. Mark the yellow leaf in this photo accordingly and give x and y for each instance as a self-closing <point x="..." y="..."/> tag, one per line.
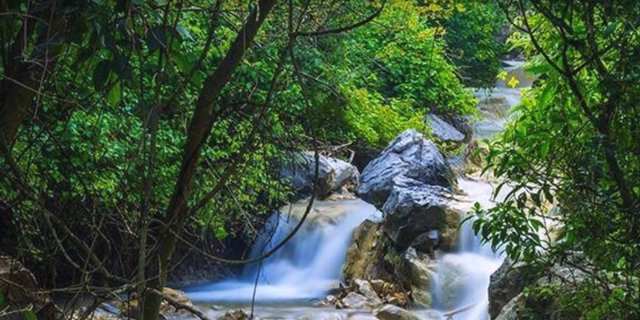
<point x="513" y="82"/>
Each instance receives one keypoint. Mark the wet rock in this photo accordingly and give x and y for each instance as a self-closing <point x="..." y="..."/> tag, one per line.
<point x="399" y="299"/>
<point x="409" y="155"/>
<point x="449" y="236"/>
<point x="333" y="174"/>
<point x="356" y="301"/>
<point x="392" y="312"/>
<point x="237" y="314"/>
<point x="177" y="296"/>
<point x="131" y="308"/>
<point x="443" y="130"/>
<point x="420" y="270"/>
<point x="373" y="255"/>
<point x="461" y="123"/>
<point x="364" y="287"/>
<point x="19" y="288"/>
<point x="379" y="286"/>
<point x="365" y="256"/>
<point x="509" y="310"/>
<point x="412" y="209"/>
<point x="558" y="282"/>
<point x="505" y="284"/>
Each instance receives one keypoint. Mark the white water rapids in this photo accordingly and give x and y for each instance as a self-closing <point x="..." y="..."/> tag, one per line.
<point x="311" y="263"/>
<point x="307" y="266"/>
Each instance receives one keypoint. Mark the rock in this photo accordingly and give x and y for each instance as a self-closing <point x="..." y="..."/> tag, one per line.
<point x="333" y="174"/>
<point x="409" y="155"/>
<point x="321" y="316"/>
<point x="420" y="269"/>
<point x="237" y="314"/>
<point x="391" y="312"/>
<point x="557" y="282"/>
<point x="364" y="287"/>
<point x="510" y="310"/>
<point x="372" y="255"/>
<point x="131" y="309"/>
<point x="443" y="130"/>
<point x="362" y="316"/>
<point x="19" y="288"/>
<point x="365" y="256"/>
<point x="398" y="299"/>
<point x="450" y="235"/>
<point x="413" y="209"/>
<point x="356" y="301"/>
<point x="177" y="296"/>
<point x="379" y="286"/>
<point x="335" y="289"/>
<point x="331" y="299"/>
<point x="505" y="284"/>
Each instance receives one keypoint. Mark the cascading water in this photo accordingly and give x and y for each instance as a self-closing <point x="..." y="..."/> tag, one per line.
<point x="461" y="279"/>
<point x="307" y="266"/>
<point x="311" y="262"/>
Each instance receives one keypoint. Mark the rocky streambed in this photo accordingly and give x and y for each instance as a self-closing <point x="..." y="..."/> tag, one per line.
<point x="395" y="250"/>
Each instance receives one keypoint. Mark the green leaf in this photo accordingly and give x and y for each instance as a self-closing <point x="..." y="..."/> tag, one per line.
<point x="544" y="148"/>
<point x="101" y="74"/>
<point x="30" y="315"/>
<point x="539" y="68"/>
<point x="1" y="298"/>
<point x="115" y="94"/>
<point x="547" y="95"/>
<point x="610" y="29"/>
<point x="119" y="66"/>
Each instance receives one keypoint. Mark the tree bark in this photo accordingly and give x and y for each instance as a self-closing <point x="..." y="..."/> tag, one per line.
<point x="21" y="80"/>
<point x="198" y="132"/>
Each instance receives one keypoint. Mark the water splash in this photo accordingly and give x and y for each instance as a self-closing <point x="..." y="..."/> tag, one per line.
<point x="307" y="266"/>
<point x="462" y="278"/>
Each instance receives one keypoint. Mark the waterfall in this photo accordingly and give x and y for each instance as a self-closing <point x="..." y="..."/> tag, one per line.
<point x="307" y="266"/>
<point x="461" y="279"/>
<point x="311" y="262"/>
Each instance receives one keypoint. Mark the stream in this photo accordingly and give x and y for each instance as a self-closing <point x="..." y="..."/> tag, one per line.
<point x="292" y="281"/>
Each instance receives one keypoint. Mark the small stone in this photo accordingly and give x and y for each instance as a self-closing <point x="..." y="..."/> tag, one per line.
<point x="391" y="312"/>
<point x="237" y="314"/>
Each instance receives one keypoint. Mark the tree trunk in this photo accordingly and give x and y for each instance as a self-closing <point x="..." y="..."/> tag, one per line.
<point x="22" y="81"/>
<point x="198" y="132"/>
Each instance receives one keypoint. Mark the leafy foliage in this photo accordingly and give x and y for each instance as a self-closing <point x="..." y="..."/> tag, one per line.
<point x="570" y="153"/>
<point x="473" y="43"/>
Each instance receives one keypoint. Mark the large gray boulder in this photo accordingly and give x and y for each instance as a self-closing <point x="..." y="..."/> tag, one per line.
<point x="505" y="284"/>
<point x="333" y="174"/>
<point x="508" y="301"/>
<point x="443" y="130"/>
<point x="409" y="155"/>
<point x="414" y="212"/>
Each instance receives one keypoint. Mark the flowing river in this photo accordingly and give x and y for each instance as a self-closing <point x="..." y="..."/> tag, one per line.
<point x="290" y="283"/>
